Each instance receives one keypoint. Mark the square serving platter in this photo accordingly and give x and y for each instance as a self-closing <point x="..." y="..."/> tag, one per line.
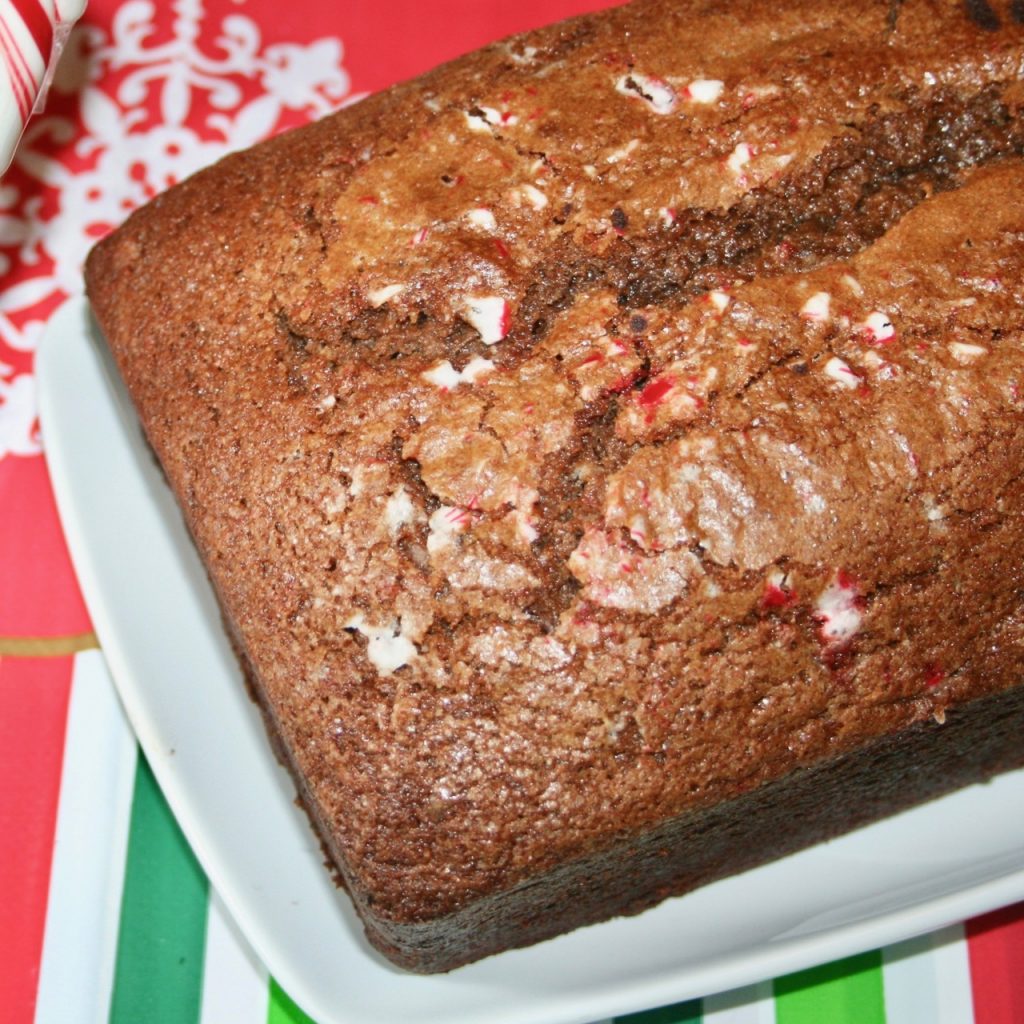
<point x="174" y="669"/>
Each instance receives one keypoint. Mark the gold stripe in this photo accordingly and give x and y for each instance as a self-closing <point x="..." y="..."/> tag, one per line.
<point x="46" y="646"/>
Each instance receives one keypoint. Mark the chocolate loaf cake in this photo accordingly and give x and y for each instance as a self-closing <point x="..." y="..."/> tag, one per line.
<point x="608" y="449"/>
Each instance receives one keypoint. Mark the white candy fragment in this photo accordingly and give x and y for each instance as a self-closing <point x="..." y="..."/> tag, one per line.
<point x="399" y="510"/>
<point x="446" y="377"/>
<point x="482" y="119"/>
<point x="443" y="376"/>
<point x="481" y="217"/>
<point x="533" y="196"/>
<point x="853" y="284"/>
<point x="521" y="516"/>
<point x="386" y="647"/>
<point x="932" y="512"/>
<point x="719" y="299"/>
<point x="657" y="94"/>
<point x="840" y="372"/>
<point x="667" y="215"/>
<point x="623" y="152"/>
<point x="491" y="315"/>
<point x="817" y="309"/>
<point x="739" y="158"/>
<point x="526" y="529"/>
<point x="524" y="56"/>
<point x="963" y="352"/>
<point x="704" y="90"/>
<point x="839" y="610"/>
<point x="445" y="525"/>
<point x="379" y="296"/>
<point x="476" y="367"/>
<point x="878" y="328"/>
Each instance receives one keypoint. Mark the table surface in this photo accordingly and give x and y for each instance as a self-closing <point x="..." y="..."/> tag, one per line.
<point x="106" y="913"/>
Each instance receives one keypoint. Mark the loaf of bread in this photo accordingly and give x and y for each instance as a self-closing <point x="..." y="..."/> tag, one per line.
<point x="608" y="449"/>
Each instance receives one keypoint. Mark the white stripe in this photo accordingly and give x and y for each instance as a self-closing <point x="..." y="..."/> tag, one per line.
<point x="235" y="984"/>
<point x="752" y="1004"/>
<point x="927" y="980"/>
<point x="953" y="976"/>
<point x="91" y="840"/>
<point x="26" y="55"/>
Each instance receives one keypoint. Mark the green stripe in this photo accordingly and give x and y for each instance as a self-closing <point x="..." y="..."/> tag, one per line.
<point x="158" y="976"/>
<point x="281" y="1010"/>
<point x="845" y="992"/>
<point x="679" y="1013"/>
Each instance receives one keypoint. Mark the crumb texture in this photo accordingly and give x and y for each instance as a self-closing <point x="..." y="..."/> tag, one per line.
<point x="600" y="439"/>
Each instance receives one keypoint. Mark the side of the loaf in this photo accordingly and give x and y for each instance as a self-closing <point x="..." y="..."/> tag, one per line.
<point x="599" y="437"/>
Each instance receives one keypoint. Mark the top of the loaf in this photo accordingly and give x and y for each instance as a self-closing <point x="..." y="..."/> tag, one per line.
<point x="571" y="433"/>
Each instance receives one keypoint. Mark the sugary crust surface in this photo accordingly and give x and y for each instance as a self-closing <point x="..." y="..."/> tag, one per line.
<point x="601" y="428"/>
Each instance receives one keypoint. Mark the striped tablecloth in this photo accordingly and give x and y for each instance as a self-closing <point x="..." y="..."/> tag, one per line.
<point x="106" y="914"/>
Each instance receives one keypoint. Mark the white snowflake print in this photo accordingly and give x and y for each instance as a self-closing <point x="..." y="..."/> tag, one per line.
<point x="136" y="115"/>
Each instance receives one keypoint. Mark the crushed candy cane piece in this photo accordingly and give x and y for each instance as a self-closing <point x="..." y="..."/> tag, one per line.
<point x="477" y="367"/>
<point x="533" y="196"/>
<point x="656" y="93"/>
<point x="399" y="510"/>
<point x="778" y="593"/>
<point x="623" y="152"/>
<point x="739" y="158"/>
<point x="445" y="524"/>
<point x="655" y="391"/>
<point x="704" y="90"/>
<point x="719" y="299"/>
<point x="878" y="328"/>
<point x="482" y="119"/>
<point x="379" y="296"/>
<point x="853" y="284"/>
<point x="446" y="377"/>
<point x="817" y="309"/>
<point x="387" y="648"/>
<point x="840" y="372"/>
<point x="481" y="217"/>
<point x="524" y="56"/>
<point x="963" y="352"/>
<point x="491" y="315"/>
<point x="839" y="610"/>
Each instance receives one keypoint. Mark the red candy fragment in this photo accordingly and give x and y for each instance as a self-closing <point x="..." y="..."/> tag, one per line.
<point x="656" y="391"/>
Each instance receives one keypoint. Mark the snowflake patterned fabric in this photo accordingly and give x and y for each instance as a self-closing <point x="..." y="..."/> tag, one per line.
<point x="135" y="105"/>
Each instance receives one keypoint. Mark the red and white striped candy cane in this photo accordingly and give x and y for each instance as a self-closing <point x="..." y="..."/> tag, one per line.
<point x="31" y="35"/>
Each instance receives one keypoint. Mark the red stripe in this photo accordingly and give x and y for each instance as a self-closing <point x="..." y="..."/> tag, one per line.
<point x="33" y="712"/>
<point x="38" y="23"/>
<point x="38" y="592"/>
<point x="995" y="944"/>
<point x="14" y="73"/>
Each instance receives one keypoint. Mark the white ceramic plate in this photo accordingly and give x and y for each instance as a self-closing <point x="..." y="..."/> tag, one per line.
<point x="160" y="631"/>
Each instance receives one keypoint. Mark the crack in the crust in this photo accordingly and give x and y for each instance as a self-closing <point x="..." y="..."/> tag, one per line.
<point x="816" y="219"/>
<point x="982" y="14"/>
<point x="892" y="17"/>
